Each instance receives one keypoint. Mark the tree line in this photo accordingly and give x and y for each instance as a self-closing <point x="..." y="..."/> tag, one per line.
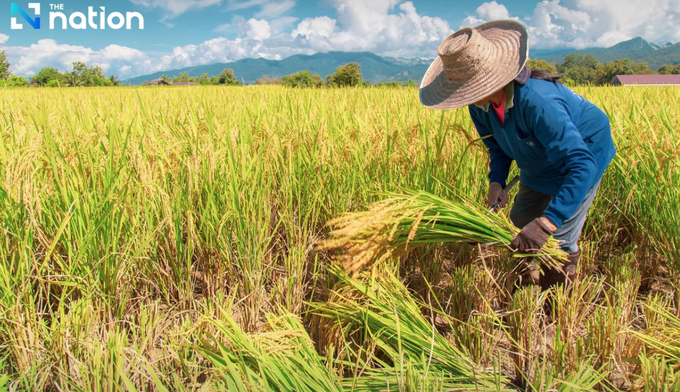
<point x="348" y="75"/>
<point x="81" y="75"/>
<point x="574" y="70"/>
<point x="226" y="77"/>
<point x="587" y="70"/>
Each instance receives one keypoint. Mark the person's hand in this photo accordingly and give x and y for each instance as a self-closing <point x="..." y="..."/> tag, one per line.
<point x="533" y="236"/>
<point x="497" y="195"/>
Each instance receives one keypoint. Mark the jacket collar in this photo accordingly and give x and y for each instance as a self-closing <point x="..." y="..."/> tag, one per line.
<point x="509" y="96"/>
<point x="522" y="78"/>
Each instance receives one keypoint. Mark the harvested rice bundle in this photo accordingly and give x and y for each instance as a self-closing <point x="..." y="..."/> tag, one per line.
<point x="380" y="326"/>
<point x="392" y="226"/>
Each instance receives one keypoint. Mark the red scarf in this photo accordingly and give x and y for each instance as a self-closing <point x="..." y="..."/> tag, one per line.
<point x="500" y="110"/>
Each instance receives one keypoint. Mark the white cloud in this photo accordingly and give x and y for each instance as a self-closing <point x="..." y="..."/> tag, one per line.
<point x="258" y="30"/>
<point x="322" y="26"/>
<point x="587" y="23"/>
<point x="471" y="21"/>
<point x="283" y="23"/>
<point x="3" y="38"/>
<point x="359" y="26"/>
<point x="117" y="52"/>
<point x="492" y="10"/>
<point x="486" y="12"/>
<point x="49" y="53"/>
<point x="235" y="5"/>
<point x="372" y="26"/>
<point x="385" y="27"/>
<point x="275" y="8"/>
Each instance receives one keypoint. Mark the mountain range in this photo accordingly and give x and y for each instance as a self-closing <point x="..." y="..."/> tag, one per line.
<point x="377" y="69"/>
<point x="636" y="49"/>
<point x="374" y="68"/>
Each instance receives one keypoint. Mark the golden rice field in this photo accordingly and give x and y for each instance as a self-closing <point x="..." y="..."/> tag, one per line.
<point x="165" y="239"/>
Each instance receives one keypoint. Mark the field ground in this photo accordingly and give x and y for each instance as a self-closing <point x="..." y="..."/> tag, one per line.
<point x="164" y="239"/>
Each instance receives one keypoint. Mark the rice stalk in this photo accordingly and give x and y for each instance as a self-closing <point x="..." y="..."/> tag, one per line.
<point x="401" y="222"/>
<point x="386" y="322"/>
<point x="280" y="359"/>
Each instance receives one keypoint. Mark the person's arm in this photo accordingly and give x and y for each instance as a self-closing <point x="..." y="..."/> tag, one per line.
<point x="567" y="151"/>
<point x="499" y="164"/>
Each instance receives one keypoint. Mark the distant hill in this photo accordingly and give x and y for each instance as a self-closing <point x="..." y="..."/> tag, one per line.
<point x="636" y="49"/>
<point x="374" y="68"/>
<point x="377" y="69"/>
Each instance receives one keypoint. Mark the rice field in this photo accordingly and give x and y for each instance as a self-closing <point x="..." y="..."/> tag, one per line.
<point x="167" y="239"/>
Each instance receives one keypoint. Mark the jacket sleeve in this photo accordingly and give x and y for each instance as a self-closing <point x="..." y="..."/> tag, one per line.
<point x="567" y="151"/>
<point x="499" y="164"/>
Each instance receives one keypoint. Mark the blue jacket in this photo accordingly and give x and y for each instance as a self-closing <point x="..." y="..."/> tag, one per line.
<point x="561" y="142"/>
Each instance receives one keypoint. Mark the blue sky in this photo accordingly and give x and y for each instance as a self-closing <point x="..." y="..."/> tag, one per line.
<point x="179" y="33"/>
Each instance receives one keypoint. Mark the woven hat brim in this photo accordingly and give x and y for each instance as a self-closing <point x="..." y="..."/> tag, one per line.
<point x="509" y="41"/>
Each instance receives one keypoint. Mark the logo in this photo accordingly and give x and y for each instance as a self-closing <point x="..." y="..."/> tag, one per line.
<point x="94" y="19"/>
<point x="35" y="23"/>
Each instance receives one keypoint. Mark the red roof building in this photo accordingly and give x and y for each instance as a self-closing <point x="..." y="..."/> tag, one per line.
<point x="646" y="80"/>
<point x="157" y="82"/>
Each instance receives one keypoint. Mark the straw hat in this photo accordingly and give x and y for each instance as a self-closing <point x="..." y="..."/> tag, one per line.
<point x="474" y="63"/>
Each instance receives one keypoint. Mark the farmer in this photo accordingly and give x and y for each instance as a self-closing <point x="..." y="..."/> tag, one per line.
<point x="562" y="143"/>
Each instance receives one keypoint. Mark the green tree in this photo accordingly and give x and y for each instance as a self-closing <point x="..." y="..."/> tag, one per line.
<point x="95" y="77"/>
<point x="72" y="79"/>
<point x="577" y="60"/>
<point x="317" y="81"/>
<point x="47" y="75"/>
<point x="669" y="69"/>
<point x="166" y="80"/>
<point x="79" y="75"/>
<point x="184" y="77"/>
<point x="302" y="79"/>
<point x="214" y="80"/>
<point x="347" y="75"/>
<point x="204" y="79"/>
<point x="330" y="80"/>
<point x="114" y="80"/>
<point x="16" y="81"/>
<point x="542" y="65"/>
<point x="4" y="66"/>
<point x="578" y="69"/>
<point x="606" y="73"/>
<point x="227" y="77"/>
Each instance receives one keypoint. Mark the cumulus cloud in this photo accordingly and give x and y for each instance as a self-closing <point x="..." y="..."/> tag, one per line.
<point x="258" y="30"/>
<point x="486" y="12"/>
<point x="588" y="23"/>
<point x="283" y="23"/>
<point x="379" y="26"/>
<point x="322" y="26"/>
<point x="386" y="27"/>
<point x="492" y="10"/>
<point x="49" y="53"/>
<point x="372" y="26"/>
<point x="3" y="38"/>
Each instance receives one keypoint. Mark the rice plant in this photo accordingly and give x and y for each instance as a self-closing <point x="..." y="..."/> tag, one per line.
<point x="389" y="227"/>
<point x="130" y="216"/>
